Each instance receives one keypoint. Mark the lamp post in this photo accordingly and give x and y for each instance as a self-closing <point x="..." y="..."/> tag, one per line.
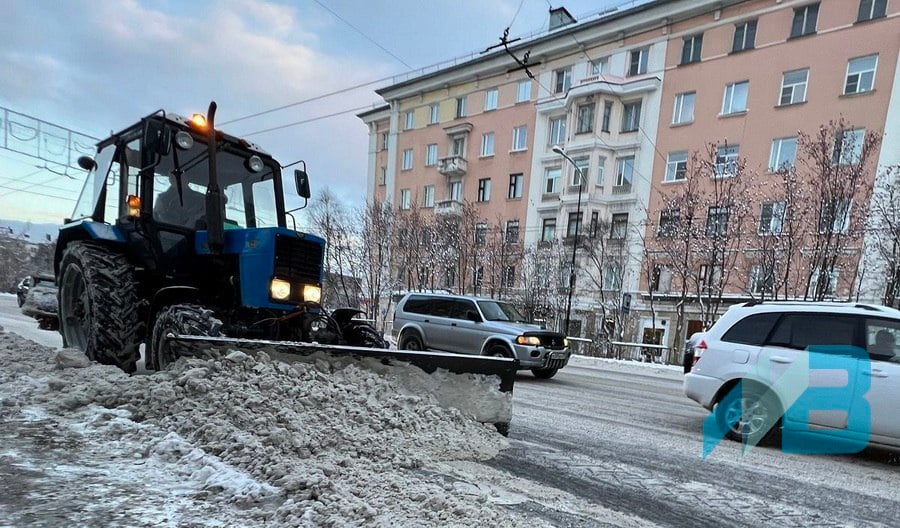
<point x="559" y="150"/>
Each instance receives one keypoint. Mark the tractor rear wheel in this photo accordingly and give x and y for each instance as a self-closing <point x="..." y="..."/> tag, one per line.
<point x="98" y="305"/>
<point x="184" y="319"/>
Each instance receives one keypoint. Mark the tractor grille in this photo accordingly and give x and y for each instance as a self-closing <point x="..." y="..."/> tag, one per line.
<point x="298" y="260"/>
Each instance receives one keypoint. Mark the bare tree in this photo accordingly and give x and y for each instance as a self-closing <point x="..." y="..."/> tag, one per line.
<point x="884" y="230"/>
<point x="375" y="240"/>
<point x="331" y="219"/>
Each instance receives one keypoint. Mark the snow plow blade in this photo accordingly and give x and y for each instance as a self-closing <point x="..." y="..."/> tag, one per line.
<point x="487" y="396"/>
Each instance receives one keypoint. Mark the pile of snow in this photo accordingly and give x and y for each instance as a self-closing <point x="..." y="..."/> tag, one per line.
<point x="244" y="440"/>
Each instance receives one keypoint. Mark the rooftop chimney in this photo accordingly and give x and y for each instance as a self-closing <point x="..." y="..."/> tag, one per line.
<point x="560" y="17"/>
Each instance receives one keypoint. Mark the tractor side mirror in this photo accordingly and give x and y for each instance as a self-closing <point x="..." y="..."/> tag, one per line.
<point x="302" y="183"/>
<point x="87" y="163"/>
<point x="157" y="137"/>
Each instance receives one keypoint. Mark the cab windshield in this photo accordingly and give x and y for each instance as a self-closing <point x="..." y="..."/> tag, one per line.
<point x="250" y="199"/>
<point x="501" y="311"/>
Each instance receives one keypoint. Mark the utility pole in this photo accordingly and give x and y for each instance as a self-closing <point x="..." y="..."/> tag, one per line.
<point x="559" y="150"/>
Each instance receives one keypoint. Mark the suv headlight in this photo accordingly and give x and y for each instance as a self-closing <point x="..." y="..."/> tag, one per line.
<point x="565" y="341"/>
<point x="528" y="340"/>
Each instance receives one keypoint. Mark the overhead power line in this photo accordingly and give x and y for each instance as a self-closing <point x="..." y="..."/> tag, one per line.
<point x="367" y="37"/>
<point x="310" y="120"/>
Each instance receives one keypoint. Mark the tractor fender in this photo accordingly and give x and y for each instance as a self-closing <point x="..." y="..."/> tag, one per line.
<point x="86" y="229"/>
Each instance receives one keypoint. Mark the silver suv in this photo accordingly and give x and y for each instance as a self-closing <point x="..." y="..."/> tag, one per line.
<point x="474" y="325"/>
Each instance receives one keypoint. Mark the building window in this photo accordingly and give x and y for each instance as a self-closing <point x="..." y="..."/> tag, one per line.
<point x="860" y="74"/>
<point x="512" y="231"/>
<point x="793" y="87"/>
<point x="384" y="141"/>
<point x="484" y="190"/>
<point x="382" y="178"/>
<point x="834" y="216"/>
<point x="762" y="279"/>
<point x="676" y="167"/>
<point x="805" y="19"/>
<point x="431" y="155"/>
<point x="581" y="172"/>
<point x="637" y="61"/>
<point x="669" y="221"/>
<point x="562" y="80"/>
<point x="407" y="159"/>
<point x="631" y="117"/>
<point x="624" y="171"/>
<point x="456" y="191"/>
<point x="871" y="9"/>
<point x="783" y="155"/>
<point x="744" y="36"/>
<point x="830" y="285"/>
<point x="434" y="114"/>
<point x="508" y="279"/>
<point x="735" y="100"/>
<point x="598" y="66"/>
<point x="727" y="160"/>
<point x="585" y="121"/>
<point x="410" y="120"/>
<point x="557" y="131"/>
<point x="684" y="108"/>
<point x="405" y="199"/>
<point x="515" y="186"/>
<point x="601" y="170"/>
<point x="490" y="99"/>
<point x="618" y="227"/>
<point x="461" y="106"/>
<point x="548" y="229"/>
<point x="607" y="116"/>
<point x="520" y="138"/>
<point x="690" y="49"/>
<point x="717" y="221"/>
<point x="771" y="218"/>
<point x="573" y="228"/>
<point x="551" y="180"/>
<point x="595" y="223"/>
<point x="613" y="277"/>
<point x="428" y="196"/>
<point x="523" y="93"/>
<point x="848" y="145"/>
<point x="487" y="144"/>
<point x="480" y="234"/>
<point x="458" y="147"/>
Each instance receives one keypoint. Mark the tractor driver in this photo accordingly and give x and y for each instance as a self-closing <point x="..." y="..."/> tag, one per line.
<point x="185" y="210"/>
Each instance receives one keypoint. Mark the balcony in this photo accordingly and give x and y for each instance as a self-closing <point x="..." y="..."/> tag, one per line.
<point x="453" y="166"/>
<point x="448" y="207"/>
<point x="622" y="189"/>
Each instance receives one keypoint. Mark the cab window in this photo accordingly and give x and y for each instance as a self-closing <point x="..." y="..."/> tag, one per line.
<point x="801" y="331"/>
<point x="882" y="337"/>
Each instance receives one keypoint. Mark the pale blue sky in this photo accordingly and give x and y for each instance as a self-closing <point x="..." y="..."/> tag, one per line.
<point x="96" y="65"/>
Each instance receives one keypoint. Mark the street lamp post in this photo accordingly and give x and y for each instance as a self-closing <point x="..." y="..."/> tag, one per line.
<point x="559" y="150"/>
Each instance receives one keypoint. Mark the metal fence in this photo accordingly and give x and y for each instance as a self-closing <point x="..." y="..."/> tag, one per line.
<point x="644" y="352"/>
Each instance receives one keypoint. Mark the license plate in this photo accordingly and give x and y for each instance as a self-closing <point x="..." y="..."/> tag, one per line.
<point x="559" y="355"/>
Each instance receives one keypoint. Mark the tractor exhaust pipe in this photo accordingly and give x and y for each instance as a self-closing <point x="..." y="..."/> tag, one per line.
<point x="215" y="205"/>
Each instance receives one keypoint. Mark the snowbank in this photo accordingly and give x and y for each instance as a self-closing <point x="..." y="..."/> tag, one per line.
<point x="240" y="441"/>
<point x="628" y="366"/>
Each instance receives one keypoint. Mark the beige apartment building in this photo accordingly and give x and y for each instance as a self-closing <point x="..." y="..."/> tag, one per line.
<point x="629" y="95"/>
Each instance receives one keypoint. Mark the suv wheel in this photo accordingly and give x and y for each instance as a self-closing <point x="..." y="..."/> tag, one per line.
<point x="411" y="341"/>
<point x="750" y="415"/>
<point x="497" y="350"/>
<point x="544" y="373"/>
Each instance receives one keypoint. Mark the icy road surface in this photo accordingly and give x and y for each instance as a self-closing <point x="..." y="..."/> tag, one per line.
<point x="603" y="444"/>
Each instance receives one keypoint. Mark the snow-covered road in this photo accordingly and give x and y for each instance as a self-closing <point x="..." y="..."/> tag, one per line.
<point x="602" y="444"/>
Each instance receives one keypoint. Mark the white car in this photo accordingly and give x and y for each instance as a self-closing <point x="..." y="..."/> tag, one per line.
<point x="844" y="354"/>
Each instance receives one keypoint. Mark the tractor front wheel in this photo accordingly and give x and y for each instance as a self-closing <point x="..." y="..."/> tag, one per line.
<point x="98" y="304"/>
<point x="183" y="319"/>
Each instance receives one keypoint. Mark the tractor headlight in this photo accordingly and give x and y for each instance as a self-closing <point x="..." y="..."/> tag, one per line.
<point x="312" y="293"/>
<point x="255" y="164"/>
<point x="528" y="340"/>
<point x="280" y="289"/>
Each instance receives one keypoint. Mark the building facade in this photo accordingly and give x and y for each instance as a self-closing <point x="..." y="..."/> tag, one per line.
<point x="635" y="99"/>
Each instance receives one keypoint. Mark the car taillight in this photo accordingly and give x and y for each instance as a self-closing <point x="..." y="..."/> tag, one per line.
<point x="699" y="349"/>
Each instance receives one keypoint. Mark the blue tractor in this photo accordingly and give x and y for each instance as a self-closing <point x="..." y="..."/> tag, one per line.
<point x="179" y="241"/>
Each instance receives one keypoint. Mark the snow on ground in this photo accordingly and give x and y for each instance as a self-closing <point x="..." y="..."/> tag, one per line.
<point x="627" y="366"/>
<point x="12" y="320"/>
<point x="240" y="441"/>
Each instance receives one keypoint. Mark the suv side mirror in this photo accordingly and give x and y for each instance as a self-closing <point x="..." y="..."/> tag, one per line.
<point x="473" y="316"/>
<point x="302" y="180"/>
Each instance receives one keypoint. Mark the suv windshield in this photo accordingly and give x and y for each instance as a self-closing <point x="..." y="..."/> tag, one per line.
<point x="501" y="311"/>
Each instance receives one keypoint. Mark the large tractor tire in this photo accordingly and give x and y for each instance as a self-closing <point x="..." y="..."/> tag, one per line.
<point x="184" y="319"/>
<point x="98" y="305"/>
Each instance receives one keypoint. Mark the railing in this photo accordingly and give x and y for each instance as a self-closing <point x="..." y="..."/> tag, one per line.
<point x="643" y="352"/>
<point x="621" y="189"/>
<point x="448" y="207"/>
<point x="453" y="166"/>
